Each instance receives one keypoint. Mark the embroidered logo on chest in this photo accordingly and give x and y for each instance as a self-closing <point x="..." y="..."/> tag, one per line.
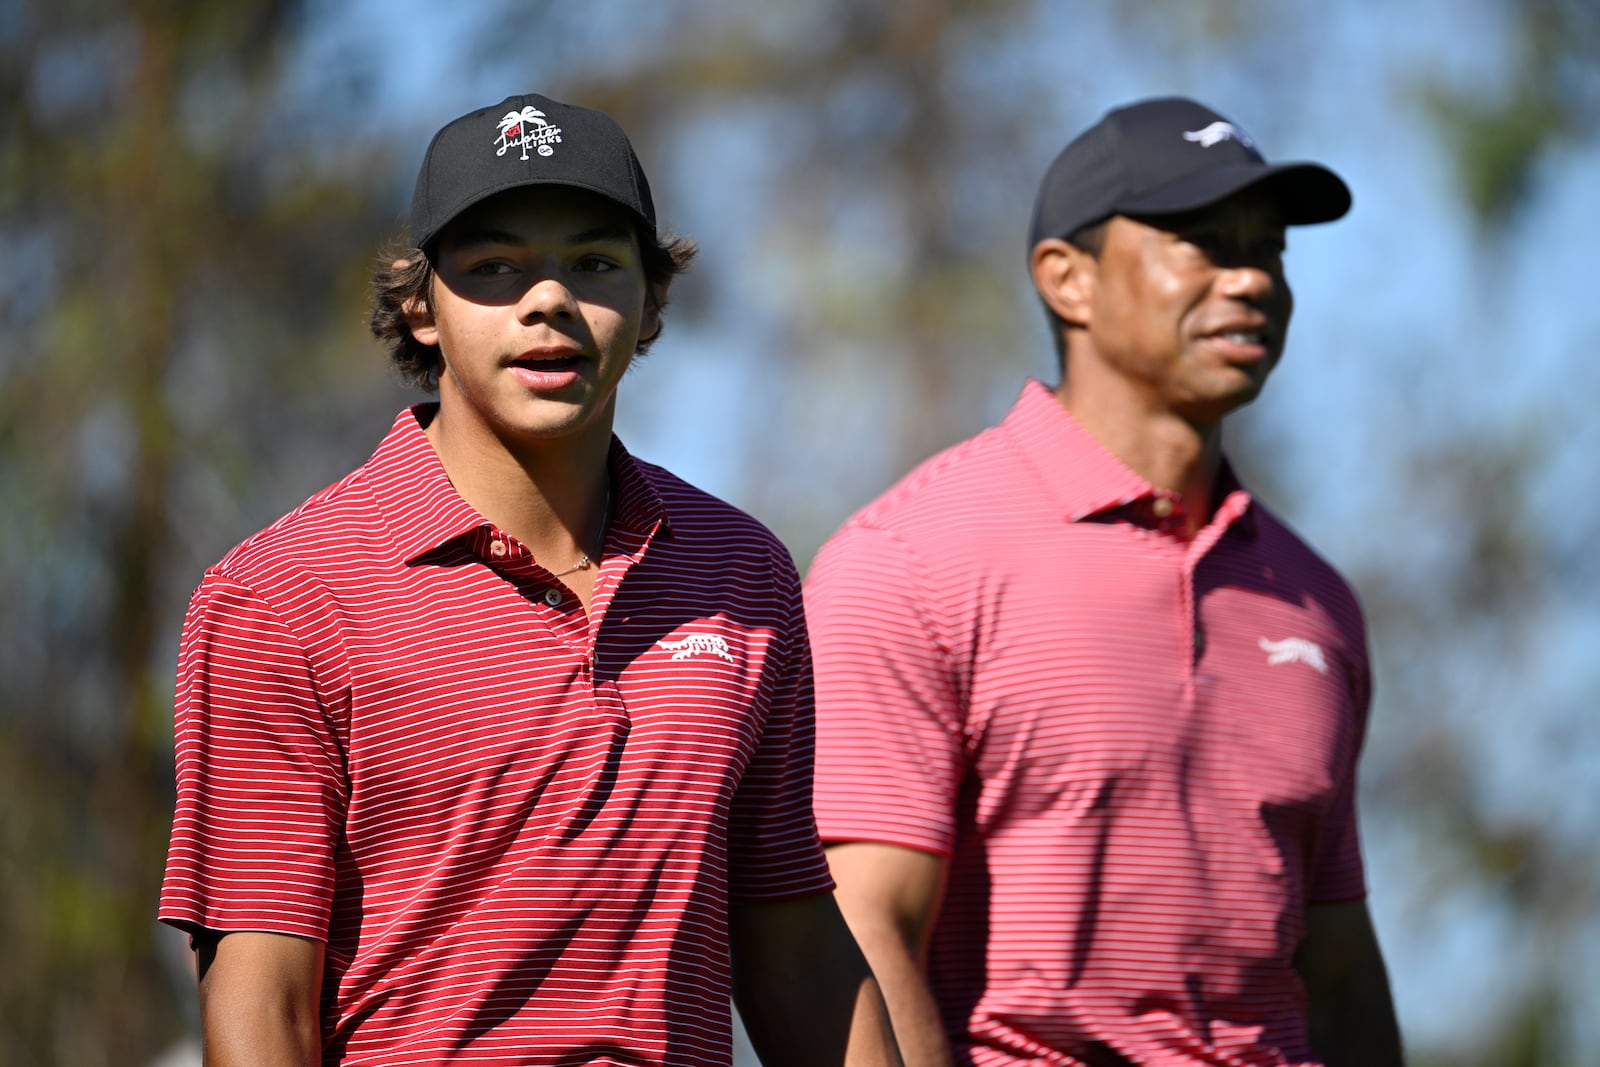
<point x="1294" y="650"/>
<point x="697" y="644"/>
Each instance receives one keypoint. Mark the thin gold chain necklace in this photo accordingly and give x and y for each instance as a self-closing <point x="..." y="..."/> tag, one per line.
<point x="585" y="562"/>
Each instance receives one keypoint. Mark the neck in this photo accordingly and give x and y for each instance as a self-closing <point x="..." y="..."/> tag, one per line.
<point x="548" y="494"/>
<point x="1162" y="447"/>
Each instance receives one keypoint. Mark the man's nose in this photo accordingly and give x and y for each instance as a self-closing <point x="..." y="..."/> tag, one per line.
<point x="1252" y="281"/>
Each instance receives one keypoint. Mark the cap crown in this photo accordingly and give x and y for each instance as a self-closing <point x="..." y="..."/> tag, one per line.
<point x="524" y="140"/>
<point x="1167" y="155"/>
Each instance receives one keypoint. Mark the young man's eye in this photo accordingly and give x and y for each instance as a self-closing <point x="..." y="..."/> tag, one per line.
<point x="491" y="268"/>
<point x="596" y="264"/>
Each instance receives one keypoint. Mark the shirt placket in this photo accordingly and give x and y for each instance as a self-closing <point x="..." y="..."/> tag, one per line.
<point x="556" y="605"/>
<point x="1233" y="508"/>
<point x="560" y="608"/>
<point x="1160" y="518"/>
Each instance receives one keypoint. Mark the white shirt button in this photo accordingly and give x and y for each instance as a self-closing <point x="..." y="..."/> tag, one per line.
<point x="552" y="596"/>
<point x="497" y="549"/>
<point x="1162" y="506"/>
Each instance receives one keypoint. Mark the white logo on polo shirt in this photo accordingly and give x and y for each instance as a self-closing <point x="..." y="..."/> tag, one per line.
<point x="694" y="644"/>
<point x="1218" y="132"/>
<point x="520" y="129"/>
<point x="1294" y="650"/>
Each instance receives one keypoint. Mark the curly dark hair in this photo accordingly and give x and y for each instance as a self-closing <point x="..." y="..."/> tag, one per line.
<point x="404" y="274"/>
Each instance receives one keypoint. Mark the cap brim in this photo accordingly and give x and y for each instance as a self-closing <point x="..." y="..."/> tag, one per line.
<point x="1305" y="192"/>
<point x="454" y="212"/>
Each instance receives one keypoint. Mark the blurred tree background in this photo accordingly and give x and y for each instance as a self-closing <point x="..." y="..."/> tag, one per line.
<point x="193" y="195"/>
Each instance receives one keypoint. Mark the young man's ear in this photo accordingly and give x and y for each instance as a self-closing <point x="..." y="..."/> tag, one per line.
<point x="650" y="323"/>
<point x="1064" y="275"/>
<point x="419" y="320"/>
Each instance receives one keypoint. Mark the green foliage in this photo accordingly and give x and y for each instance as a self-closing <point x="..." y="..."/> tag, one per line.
<point x="1497" y="145"/>
<point x="157" y="265"/>
<point x="1499" y="130"/>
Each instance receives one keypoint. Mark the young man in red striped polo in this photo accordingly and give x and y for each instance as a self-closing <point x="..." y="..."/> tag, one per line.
<point x="498" y="751"/>
<point x="1089" y="714"/>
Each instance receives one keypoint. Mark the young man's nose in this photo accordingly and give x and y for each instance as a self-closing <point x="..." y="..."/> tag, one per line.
<point x="547" y="298"/>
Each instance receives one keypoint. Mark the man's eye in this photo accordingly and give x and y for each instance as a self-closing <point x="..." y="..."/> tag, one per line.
<point x="595" y="264"/>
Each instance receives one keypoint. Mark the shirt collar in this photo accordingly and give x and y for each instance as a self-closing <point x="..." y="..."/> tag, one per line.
<point x="1081" y="476"/>
<point x="424" y="511"/>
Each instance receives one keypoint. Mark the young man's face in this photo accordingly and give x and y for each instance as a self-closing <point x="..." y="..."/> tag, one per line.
<point x="1192" y="311"/>
<point x="539" y="303"/>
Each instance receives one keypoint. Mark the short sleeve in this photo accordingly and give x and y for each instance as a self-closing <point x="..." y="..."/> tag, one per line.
<point x="260" y="784"/>
<point x="774" y="851"/>
<point x="891" y="750"/>
<point x="1338" y="872"/>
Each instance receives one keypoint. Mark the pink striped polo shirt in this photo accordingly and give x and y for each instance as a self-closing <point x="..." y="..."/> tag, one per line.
<point x="517" y="827"/>
<point x="1137" y="750"/>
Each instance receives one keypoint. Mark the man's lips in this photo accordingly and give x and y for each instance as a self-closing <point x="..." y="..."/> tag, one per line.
<point x="552" y="358"/>
<point x="544" y="369"/>
<point x="1249" y="340"/>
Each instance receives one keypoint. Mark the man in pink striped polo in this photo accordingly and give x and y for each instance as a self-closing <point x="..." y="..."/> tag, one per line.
<point x="499" y="750"/>
<point x="1088" y="713"/>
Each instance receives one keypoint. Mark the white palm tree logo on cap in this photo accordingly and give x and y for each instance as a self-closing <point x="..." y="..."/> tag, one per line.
<point x="527" y="127"/>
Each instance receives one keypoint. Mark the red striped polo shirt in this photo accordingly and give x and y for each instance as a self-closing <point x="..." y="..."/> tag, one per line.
<point x="1137" y="750"/>
<point x="516" y="826"/>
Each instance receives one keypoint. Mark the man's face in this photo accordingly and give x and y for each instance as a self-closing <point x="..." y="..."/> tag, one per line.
<point x="539" y="303"/>
<point x="1191" y="312"/>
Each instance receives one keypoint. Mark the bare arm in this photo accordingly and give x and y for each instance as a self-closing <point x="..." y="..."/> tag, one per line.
<point x="890" y="896"/>
<point x="1347" y="986"/>
<point x="805" y="994"/>
<point x="259" y="1000"/>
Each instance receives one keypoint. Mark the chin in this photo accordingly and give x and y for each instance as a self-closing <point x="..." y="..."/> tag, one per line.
<point x="1210" y="411"/>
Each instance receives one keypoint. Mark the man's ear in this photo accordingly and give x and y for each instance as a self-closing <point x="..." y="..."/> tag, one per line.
<point x="419" y="320"/>
<point x="655" y="298"/>
<point x="1065" y="276"/>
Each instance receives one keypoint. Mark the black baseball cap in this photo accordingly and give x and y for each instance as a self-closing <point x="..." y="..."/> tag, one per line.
<point x="524" y="140"/>
<point x="1167" y="155"/>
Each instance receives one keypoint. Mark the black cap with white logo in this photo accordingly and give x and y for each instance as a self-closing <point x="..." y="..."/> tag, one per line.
<point x="1168" y="155"/>
<point x="524" y="140"/>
